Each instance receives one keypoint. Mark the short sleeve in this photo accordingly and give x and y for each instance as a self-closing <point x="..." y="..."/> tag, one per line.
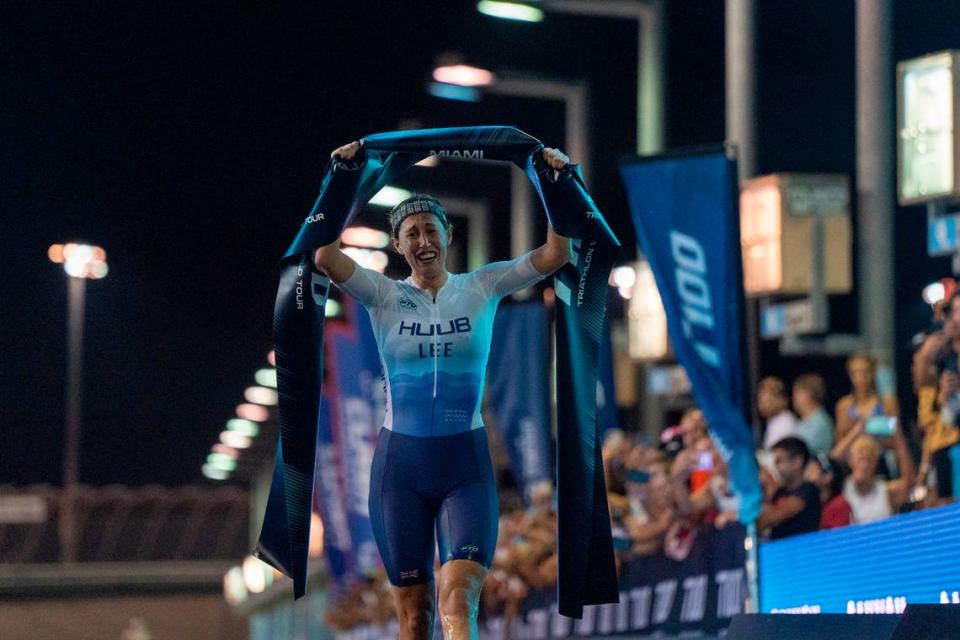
<point x="369" y="287"/>
<point x="499" y="279"/>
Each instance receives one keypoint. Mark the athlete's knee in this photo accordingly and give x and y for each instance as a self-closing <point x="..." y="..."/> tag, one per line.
<point x="415" y="621"/>
<point x="415" y="610"/>
<point x="458" y="602"/>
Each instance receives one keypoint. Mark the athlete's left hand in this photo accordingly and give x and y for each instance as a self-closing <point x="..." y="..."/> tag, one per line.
<point x="555" y="158"/>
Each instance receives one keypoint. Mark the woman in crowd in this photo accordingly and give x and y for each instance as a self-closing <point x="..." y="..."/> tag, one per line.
<point x="870" y="496"/>
<point x="863" y="401"/>
<point x="830" y="476"/>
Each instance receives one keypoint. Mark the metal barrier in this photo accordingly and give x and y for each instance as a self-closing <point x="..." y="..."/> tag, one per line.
<point x="126" y="524"/>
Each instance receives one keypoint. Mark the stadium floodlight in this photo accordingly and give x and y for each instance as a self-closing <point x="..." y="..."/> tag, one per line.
<point x="222" y="462"/>
<point x="244" y="427"/>
<point x="80" y="260"/>
<point x="933" y="293"/>
<point x="365" y="237"/>
<point x="390" y="196"/>
<point x="261" y="395"/>
<point x="367" y="258"/>
<point x="254" y="412"/>
<point x="266" y="377"/>
<point x="215" y="473"/>
<point x="256" y="575"/>
<point x="235" y="439"/>
<point x="331" y="309"/>
<point x="623" y="276"/>
<point x="463" y="75"/>
<point x="510" y="10"/>
<point x="230" y="452"/>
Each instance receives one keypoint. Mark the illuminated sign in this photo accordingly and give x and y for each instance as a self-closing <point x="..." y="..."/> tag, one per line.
<point x="872" y="568"/>
<point x="926" y="123"/>
<point x="778" y="214"/>
<point x="646" y="318"/>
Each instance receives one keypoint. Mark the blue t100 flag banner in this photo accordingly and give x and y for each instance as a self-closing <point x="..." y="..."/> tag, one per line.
<point x="684" y="208"/>
<point x="518" y="391"/>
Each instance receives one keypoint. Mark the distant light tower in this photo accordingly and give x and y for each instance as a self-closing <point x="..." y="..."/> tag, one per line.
<point x="81" y="262"/>
<point x="457" y="81"/>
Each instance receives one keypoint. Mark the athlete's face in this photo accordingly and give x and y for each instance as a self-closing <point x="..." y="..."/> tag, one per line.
<point x="423" y="242"/>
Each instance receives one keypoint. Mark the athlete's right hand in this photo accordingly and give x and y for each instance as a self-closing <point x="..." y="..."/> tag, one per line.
<point x="347" y="151"/>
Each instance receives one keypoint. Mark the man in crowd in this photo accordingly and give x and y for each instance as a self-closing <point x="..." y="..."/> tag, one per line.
<point x="772" y="404"/>
<point x="794" y="507"/>
<point x="815" y="426"/>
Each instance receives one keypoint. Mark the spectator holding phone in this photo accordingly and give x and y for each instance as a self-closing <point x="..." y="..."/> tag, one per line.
<point x="715" y="499"/>
<point x="794" y="507"/>
<point x="864" y="401"/>
<point x="815" y="426"/>
<point x="871" y="497"/>
<point x="693" y="429"/>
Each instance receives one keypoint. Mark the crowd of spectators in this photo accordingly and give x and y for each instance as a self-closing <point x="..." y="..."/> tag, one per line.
<point x="816" y="470"/>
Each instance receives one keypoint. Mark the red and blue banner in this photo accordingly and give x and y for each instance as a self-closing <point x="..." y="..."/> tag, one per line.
<point x="350" y="417"/>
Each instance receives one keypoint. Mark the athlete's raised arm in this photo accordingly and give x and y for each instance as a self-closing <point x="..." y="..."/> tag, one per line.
<point x="555" y="252"/>
<point x="335" y="263"/>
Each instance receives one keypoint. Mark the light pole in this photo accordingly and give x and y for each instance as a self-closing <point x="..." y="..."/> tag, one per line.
<point x="575" y="96"/>
<point x="650" y="51"/>
<point x="81" y="262"/>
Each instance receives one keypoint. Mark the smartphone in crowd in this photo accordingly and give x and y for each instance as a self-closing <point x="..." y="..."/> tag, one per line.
<point x="640" y="477"/>
<point x="881" y="426"/>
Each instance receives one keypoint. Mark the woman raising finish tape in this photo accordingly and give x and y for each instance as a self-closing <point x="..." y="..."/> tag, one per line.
<point x="431" y="470"/>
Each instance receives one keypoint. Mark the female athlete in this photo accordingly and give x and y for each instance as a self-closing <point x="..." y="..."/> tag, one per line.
<point x="431" y="470"/>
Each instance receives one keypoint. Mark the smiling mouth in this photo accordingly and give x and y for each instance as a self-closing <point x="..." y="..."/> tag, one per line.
<point x="427" y="257"/>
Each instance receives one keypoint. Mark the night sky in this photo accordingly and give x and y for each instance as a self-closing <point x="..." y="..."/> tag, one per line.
<point x="189" y="142"/>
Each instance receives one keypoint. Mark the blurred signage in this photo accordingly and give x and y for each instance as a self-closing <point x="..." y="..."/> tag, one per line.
<point x="777" y="214"/>
<point x="942" y="235"/>
<point x="927" y="117"/>
<point x="880" y="567"/>
<point x="23" y="509"/>
<point x="668" y="381"/>
<point x="789" y="318"/>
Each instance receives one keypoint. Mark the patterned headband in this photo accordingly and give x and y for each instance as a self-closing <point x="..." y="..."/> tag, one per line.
<point x="402" y="211"/>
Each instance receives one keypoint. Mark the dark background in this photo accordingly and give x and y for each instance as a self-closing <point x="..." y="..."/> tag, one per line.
<point x="189" y="141"/>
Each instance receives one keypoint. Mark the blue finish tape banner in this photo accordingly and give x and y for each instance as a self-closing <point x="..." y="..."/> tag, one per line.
<point x="870" y="568"/>
<point x="518" y="391"/>
<point x="685" y="210"/>
<point x="607" y="416"/>
<point x="586" y="568"/>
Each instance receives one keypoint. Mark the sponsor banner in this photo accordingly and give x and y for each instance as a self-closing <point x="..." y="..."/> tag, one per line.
<point x="684" y="208"/>
<point x="518" y="391"/>
<point x="879" y="567"/>
<point x="659" y="597"/>
<point x="353" y="405"/>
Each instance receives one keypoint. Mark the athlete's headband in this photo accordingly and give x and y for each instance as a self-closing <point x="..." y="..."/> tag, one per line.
<point x="408" y="208"/>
